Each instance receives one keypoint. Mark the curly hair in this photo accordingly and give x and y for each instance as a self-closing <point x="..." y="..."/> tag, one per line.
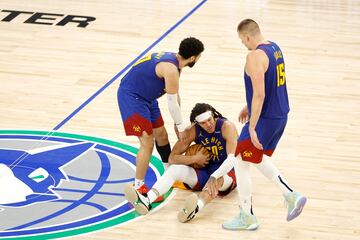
<point x="190" y="47"/>
<point x="201" y="108"/>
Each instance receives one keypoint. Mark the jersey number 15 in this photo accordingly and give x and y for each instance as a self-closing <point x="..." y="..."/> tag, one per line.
<point x="280" y="69"/>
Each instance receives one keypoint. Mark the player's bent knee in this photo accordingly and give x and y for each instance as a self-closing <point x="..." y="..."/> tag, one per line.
<point x="182" y="173"/>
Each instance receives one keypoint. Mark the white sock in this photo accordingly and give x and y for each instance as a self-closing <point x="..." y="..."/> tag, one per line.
<point x="243" y="179"/>
<point x="138" y="183"/>
<point x="246" y="204"/>
<point x="281" y="182"/>
<point x="200" y="203"/>
<point x="269" y="170"/>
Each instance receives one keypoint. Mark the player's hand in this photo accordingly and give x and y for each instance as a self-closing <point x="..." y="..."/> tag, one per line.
<point x="212" y="187"/>
<point x="180" y="135"/>
<point x="201" y="159"/>
<point x="243" y="115"/>
<point x="254" y="139"/>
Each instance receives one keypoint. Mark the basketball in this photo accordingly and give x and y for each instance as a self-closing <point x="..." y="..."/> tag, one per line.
<point x="195" y="148"/>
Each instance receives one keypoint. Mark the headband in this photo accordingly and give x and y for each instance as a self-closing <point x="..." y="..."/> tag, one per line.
<point x="204" y="116"/>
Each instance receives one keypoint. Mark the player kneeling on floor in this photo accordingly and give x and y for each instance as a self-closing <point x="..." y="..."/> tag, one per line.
<point x="215" y="140"/>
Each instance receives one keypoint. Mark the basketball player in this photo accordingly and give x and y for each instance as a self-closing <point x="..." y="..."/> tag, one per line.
<point x="148" y="79"/>
<point x="215" y="133"/>
<point x="265" y="117"/>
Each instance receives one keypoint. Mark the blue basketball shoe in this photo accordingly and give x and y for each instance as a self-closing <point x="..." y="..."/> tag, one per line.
<point x="295" y="202"/>
<point x="242" y="222"/>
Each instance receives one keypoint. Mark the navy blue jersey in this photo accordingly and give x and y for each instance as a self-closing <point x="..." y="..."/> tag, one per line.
<point x="142" y="79"/>
<point x="276" y="103"/>
<point x="214" y="142"/>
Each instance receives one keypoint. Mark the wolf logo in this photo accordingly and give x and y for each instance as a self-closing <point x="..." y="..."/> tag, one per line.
<point x="27" y="177"/>
<point x="73" y="184"/>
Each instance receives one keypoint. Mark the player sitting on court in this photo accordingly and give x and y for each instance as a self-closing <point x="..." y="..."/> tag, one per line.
<point x="214" y="133"/>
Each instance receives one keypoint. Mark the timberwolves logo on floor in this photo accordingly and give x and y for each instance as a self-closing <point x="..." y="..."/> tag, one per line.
<point x="64" y="184"/>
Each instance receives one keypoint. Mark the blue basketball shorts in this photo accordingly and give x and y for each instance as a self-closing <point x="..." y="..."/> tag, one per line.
<point x="269" y="132"/>
<point x="138" y="114"/>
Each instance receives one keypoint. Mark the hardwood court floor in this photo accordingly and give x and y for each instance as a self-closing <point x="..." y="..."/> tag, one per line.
<point x="47" y="71"/>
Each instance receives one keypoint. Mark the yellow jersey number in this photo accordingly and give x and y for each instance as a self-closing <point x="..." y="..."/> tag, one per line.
<point x="144" y="59"/>
<point x="214" y="151"/>
<point x="280" y="69"/>
<point x="148" y="57"/>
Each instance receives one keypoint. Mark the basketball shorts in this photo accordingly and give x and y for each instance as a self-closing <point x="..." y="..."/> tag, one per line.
<point x="138" y="114"/>
<point x="269" y="132"/>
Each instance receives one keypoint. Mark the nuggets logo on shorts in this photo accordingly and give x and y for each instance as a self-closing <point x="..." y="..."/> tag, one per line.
<point x="247" y="154"/>
<point x="137" y="128"/>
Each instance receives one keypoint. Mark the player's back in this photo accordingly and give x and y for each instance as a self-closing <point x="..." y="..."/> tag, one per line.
<point x="142" y="79"/>
<point x="276" y="103"/>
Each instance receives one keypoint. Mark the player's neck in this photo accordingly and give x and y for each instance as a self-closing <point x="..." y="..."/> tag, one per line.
<point x="259" y="40"/>
<point x="181" y="60"/>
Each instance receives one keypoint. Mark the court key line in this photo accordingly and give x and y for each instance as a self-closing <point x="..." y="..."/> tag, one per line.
<point x="63" y="122"/>
<point x="92" y="97"/>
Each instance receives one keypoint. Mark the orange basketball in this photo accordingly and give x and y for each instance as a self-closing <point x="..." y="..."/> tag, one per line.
<point x="195" y="148"/>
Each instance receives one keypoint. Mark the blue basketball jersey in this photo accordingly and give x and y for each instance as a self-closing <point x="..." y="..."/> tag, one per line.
<point x="142" y="79"/>
<point x="276" y="103"/>
<point x="214" y="142"/>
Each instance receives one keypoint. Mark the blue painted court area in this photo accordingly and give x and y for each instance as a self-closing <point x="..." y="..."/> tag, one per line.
<point x="78" y="178"/>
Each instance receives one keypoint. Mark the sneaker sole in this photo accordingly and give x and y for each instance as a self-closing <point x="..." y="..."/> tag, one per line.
<point x="252" y="227"/>
<point x="132" y="196"/>
<point x="298" y="209"/>
<point x="190" y="206"/>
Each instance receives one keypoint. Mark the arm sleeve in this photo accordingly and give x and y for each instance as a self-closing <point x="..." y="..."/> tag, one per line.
<point x="225" y="167"/>
<point x="175" y="112"/>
